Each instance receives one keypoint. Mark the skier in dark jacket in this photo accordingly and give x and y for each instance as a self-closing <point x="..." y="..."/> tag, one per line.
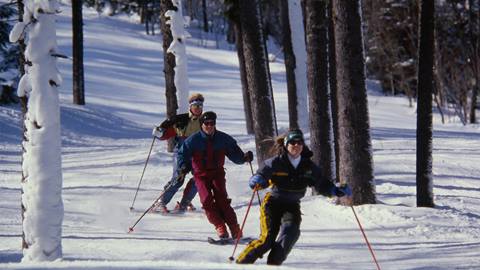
<point x="179" y="127"/>
<point x="289" y="174"/>
<point x="205" y="151"/>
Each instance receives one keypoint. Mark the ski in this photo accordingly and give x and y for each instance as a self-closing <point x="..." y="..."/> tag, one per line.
<point x="228" y="241"/>
<point x="173" y="213"/>
<point x="179" y="213"/>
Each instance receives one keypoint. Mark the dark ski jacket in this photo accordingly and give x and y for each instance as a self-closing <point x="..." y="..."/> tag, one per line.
<point x="178" y="127"/>
<point x="290" y="184"/>
<point x="207" y="153"/>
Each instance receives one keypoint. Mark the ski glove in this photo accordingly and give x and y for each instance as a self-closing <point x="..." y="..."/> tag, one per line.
<point x="158" y="132"/>
<point x="257" y="179"/>
<point x="341" y="191"/>
<point x="248" y="157"/>
<point x="183" y="171"/>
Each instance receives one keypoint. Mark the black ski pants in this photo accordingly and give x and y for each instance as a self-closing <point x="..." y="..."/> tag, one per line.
<point x="280" y="230"/>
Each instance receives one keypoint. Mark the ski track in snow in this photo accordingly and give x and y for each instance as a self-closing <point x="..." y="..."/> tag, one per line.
<point x="106" y="142"/>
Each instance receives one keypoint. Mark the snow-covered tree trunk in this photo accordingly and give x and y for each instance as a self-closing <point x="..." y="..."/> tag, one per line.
<point x="168" y="66"/>
<point x="42" y="182"/>
<point x="297" y="37"/>
<point x="178" y="48"/>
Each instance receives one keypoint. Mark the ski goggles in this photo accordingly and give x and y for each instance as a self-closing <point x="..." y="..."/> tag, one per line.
<point x="196" y="103"/>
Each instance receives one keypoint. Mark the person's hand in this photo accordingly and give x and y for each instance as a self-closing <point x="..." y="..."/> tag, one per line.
<point x="257" y="179"/>
<point x="342" y="190"/>
<point x="158" y="132"/>
<point x="183" y="171"/>
<point x="248" y="157"/>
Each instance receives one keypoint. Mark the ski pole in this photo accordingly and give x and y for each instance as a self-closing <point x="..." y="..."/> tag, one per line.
<point x="130" y="229"/>
<point x="365" y="236"/>
<point x="258" y="193"/>
<point x="144" y="167"/>
<point x="231" y="258"/>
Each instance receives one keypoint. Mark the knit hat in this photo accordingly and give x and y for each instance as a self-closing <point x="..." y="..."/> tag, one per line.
<point x="208" y="116"/>
<point x="293" y="135"/>
<point x="196" y="99"/>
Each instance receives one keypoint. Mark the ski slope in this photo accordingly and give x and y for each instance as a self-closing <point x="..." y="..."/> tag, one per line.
<point x="106" y="142"/>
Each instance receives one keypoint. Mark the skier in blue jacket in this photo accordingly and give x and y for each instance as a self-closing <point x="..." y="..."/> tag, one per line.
<point x="289" y="174"/>
<point x="205" y="152"/>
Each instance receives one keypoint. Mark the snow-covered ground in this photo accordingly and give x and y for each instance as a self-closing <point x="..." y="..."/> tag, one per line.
<point x="106" y="142"/>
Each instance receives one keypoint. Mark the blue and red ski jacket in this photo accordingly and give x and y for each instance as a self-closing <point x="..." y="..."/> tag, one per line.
<point x="207" y="153"/>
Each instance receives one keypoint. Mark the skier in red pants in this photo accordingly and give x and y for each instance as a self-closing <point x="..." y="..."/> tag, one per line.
<point x="206" y="151"/>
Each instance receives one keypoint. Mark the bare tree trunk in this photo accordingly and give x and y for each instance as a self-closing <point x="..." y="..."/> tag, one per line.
<point x="77" y="40"/>
<point x="321" y="140"/>
<point x="332" y="69"/>
<point x="264" y="37"/>
<point x="356" y="163"/>
<point x="475" y="40"/>
<point x="205" y="18"/>
<point x="290" y="64"/>
<point x="233" y="15"/>
<point x="169" y="65"/>
<point x="257" y="78"/>
<point x="190" y="12"/>
<point x="247" y="104"/>
<point x="424" y="104"/>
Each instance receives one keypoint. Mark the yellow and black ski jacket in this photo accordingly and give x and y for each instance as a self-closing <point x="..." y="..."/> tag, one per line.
<point x="290" y="184"/>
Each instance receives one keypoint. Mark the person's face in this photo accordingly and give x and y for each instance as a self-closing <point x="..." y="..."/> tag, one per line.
<point x="208" y="127"/>
<point x="196" y="109"/>
<point x="295" y="148"/>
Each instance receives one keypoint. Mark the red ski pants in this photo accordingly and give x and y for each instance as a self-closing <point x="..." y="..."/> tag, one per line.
<point x="214" y="198"/>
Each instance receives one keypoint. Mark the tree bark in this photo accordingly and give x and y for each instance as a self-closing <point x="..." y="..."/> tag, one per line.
<point x="23" y="102"/>
<point x="77" y="52"/>
<point x="321" y="141"/>
<point x="332" y="69"/>
<point x="356" y="163"/>
<point x="257" y="78"/>
<point x="290" y="64"/>
<point x="424" y="105"/>
<point x="247" y="104"/>
<point x="205" y="18"/>
<point x="169" y="65"/>
<point x="475" y="40"/>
